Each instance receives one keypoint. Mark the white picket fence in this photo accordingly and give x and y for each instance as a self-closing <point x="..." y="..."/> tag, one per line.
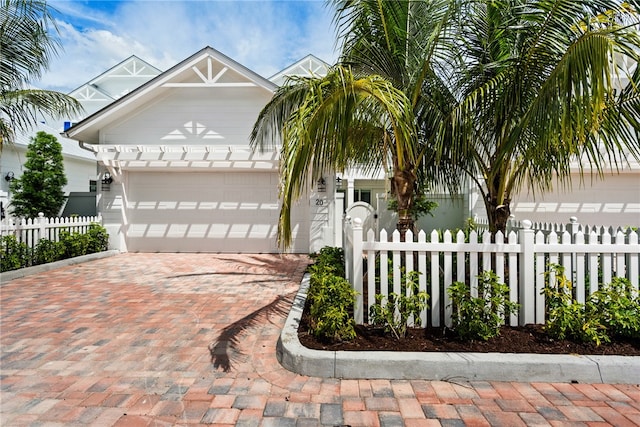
<point x="520" y="260"/>
<point x="31" y="230"/>
<point x="573" y="226"/>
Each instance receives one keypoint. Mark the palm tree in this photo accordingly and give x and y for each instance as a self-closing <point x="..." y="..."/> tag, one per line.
<point x="26" y="47"/>
<point x="363" y="113"/>
<point x="333" y="123"/>
<point x="536" y="83"/>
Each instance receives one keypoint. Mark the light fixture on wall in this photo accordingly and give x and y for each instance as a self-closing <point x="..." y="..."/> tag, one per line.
<point x="338" y="183"/>
<point x="9" y="176"/>
<point x="106" y="181"/>
<point x="107" y="178"/>
<point x="322" y="186"/>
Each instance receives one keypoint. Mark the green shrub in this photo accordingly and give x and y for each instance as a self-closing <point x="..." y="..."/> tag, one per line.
<point x="567" y="318"/>
<point x="13" y="254"/>
<point x="75" y="244"/>
<point x="328" y="259"/>
<point x="98" y="239"/>
<point x="331" y="300"/>
<point x="17" y="255"/>
<point x="48" y="251"/>
<point x="330" y="297"/>
<point x="617" y="305"/>
<point x="394" y="313"/>
<point x="480" y="317"/>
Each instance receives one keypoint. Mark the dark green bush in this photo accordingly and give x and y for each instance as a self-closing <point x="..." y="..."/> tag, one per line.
<point x="618" y="306"/>
<point x="17" y="255"/>
<point x="75" y="244"/>
<point x="13" y="254"/>
<point x="330" y="298"/>
<point x="98" y="239"/>
<point x="48" y="251"/>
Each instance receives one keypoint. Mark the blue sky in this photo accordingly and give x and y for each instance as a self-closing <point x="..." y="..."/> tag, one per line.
<point x="264" y="35"/>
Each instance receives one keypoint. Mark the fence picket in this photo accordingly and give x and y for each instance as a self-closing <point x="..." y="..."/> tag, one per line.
<point x="435" y="282"/>
<point x="579" y="274"/>
<point x="513" y="277"/>
<point x="473" y="265"/>
<point x="606" y="259"/>
<point x="371" y="274"/>
<point x="422" y="279"/>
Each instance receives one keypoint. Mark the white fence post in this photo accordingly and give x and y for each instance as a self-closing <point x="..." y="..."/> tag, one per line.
<point x="356" y="230"/>
<point x="42" y="229"/>
<point x="527" y="274"/>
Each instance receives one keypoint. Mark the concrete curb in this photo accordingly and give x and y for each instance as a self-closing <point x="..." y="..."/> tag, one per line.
<point x="16" y="274"/>
<point x="293" y="356"/>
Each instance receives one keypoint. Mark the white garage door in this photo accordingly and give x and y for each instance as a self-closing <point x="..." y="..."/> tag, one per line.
<point x="206" y="212"/>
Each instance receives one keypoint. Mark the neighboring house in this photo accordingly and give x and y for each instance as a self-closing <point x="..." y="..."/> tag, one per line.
<point x="80" y="165"/>
<point x="309" y="66"/>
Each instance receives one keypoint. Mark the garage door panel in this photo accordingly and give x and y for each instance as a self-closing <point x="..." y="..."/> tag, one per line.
<point x="205" y="212"/>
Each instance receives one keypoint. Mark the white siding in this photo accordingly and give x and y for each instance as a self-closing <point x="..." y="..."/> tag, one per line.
<point x="192" y="116"/>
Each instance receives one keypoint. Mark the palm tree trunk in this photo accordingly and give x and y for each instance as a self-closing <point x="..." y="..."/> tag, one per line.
<point x="498" y="214"/>
<point x="403" y="189"/>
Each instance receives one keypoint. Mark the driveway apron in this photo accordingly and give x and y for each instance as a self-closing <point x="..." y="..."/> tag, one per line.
<point x="189" y="339"/>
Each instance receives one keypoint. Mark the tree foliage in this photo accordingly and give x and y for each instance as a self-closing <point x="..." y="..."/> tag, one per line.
<point x="509" y="93"/>
<point x="40" y="188"/>
<point x="542" y="86"/>
<point x="27" y="44"/>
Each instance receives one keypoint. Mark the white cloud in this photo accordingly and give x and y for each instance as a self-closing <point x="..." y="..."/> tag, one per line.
<point x="265" y="36"/>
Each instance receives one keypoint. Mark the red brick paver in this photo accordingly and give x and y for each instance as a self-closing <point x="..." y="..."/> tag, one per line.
<point x="189" y="339"/>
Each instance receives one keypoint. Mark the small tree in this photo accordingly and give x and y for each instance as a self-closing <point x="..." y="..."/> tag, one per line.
<point x="40" y="188"/>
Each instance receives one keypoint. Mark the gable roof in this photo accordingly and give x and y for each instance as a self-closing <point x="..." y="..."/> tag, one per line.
<point x="308" y="66"/>
<point x="207" y="68"/>
<point x="133" y="69"/>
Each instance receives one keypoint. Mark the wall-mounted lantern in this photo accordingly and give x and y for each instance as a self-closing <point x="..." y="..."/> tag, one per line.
<point x="338" y="183"/>
<point x="106" y="181"/>
<point x="9" y="176"/>
<point x="322" y="185"/>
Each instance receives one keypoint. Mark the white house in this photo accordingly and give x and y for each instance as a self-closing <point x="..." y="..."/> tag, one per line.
<point x="80" y="165"/>
<point x="177" y="173"/>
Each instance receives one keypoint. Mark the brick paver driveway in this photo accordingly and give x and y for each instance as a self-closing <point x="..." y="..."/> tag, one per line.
<point x="187" y="339"/>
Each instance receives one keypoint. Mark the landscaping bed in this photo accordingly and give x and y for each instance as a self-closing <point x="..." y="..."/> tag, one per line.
<point x="525" y="339"/>
<point x="608" y="323"/>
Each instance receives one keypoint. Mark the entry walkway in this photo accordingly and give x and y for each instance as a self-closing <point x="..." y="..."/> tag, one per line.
<point x="189" y="339"/>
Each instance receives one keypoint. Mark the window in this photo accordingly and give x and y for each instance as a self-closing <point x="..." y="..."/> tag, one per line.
<point x="93" y="186"/>
<point x="362" y="196"/>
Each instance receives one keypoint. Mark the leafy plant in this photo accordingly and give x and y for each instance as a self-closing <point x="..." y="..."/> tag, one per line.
<point x="421" y="206"/>
<point x="330" y="297"/>
<point x="394" y="313"/>
<point x="48" y="251"/>
<point x="17" y="255"/>
<point x="567" y="318"/>
<point x="13" y="254"/>
<point x="41" y="186"/>
<point x="98" y="238"/>
<point x="75" y="244"/>
<point x="480" y="317"/>
<point x="617" y="305"/>
<point x="331" y="300"/>
<point x="328" y="258"/>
